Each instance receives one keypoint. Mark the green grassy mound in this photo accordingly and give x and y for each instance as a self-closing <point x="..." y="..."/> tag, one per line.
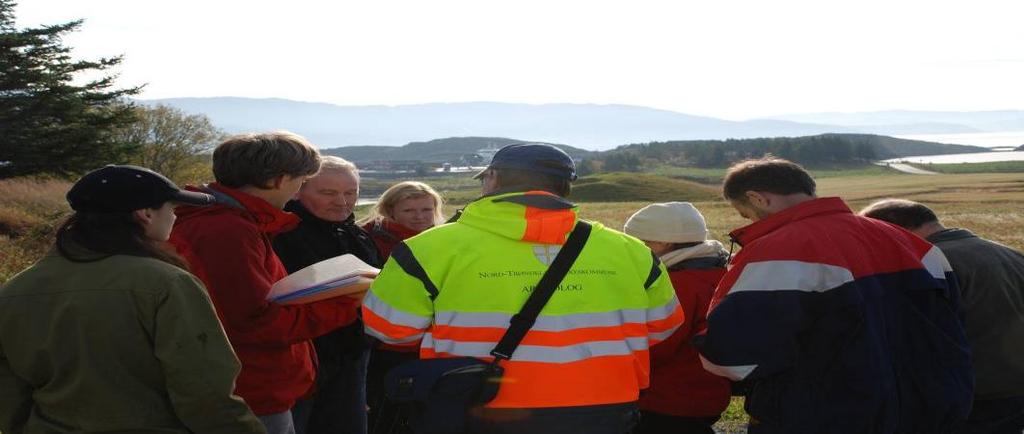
<point x="639" y="187"/>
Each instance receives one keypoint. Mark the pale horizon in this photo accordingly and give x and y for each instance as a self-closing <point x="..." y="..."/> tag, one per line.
<point x="738" y="60"/>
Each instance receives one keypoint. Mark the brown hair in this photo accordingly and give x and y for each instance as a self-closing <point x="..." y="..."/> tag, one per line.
<point x="905" y="213"/>
<point x="385" y="206"/>
<point x="769" y="174"/>
<point x="107" y="234"/>
<point x="257" y="158"/>
<point x="525" y="180"/>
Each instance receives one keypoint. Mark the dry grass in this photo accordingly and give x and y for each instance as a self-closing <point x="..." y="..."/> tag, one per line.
<point x="37" y="196"/>
<point x="29" y="210"/>
<point x="988" y="204"/>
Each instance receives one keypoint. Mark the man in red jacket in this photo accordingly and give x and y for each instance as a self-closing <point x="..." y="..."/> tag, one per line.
<point x="683" y="397"/>
<point x="228" y="246"/>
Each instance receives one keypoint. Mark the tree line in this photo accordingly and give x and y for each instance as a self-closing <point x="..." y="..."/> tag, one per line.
<point x="825" y="149"/>
<point x="52" y="124"/>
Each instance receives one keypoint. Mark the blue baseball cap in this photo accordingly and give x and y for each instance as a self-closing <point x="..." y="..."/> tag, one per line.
<point x="533" y="157"/>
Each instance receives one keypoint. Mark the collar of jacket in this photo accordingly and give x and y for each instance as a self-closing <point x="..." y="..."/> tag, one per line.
<point x="78" y="252"/>
<point x="268" y="218"/>
<point x="297" y="208"/>
<point x="532" y="216"/>
<point x="950" y="235"/>
<point x="811" y="208"/>
<point x="391" y="228"/>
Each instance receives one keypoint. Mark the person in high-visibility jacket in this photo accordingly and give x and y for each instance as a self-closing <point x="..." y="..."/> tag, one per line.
<point x="582" y="365"/>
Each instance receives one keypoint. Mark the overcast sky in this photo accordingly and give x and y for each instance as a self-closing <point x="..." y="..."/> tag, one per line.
<point x="734" y="59"/>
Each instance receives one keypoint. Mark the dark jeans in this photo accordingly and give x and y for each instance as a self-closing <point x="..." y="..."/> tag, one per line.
<point x="657" y="423"/>
<point x="339" y="405"/>
<point x="386" y="417"/>
<point x="596" y="419"/>
<point x="996" y="416"/>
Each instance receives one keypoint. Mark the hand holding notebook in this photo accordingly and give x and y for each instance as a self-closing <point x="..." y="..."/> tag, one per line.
<point x="344" y="275"/>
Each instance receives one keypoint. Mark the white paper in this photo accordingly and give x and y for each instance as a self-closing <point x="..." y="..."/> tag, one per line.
<point x="328" y="270"/>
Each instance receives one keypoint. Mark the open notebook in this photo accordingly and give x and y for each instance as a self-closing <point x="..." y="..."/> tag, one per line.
<point x="337" y="276"/>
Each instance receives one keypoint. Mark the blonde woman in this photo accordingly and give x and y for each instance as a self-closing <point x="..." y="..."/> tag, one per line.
<point x="404" y="210"/>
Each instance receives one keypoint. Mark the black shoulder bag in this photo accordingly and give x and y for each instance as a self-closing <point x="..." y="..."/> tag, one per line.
<point x="441" y="391"/>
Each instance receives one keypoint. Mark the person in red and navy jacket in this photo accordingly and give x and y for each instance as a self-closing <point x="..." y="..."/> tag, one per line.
<point x="683" y="398"/>
<point x="841" y="323"/>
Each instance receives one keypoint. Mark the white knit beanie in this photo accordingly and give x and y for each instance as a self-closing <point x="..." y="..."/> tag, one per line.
<point x="670" y="222"/>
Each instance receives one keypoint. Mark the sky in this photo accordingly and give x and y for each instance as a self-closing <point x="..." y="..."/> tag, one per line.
<point x="731" y="59"/>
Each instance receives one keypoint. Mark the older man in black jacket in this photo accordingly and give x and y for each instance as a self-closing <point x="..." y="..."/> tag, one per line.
<point x="325" y="204"/>
<point x="991" y="277"/>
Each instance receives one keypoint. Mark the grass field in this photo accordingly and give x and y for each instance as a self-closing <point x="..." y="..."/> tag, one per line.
<point x="713" y="175"/>
<point x="30" y="210"/>
<point x="993" y="167"/>
<point x="987" y="203"/>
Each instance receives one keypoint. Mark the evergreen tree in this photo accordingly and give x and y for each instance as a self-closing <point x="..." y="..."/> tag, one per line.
<point x="48" y="123"/>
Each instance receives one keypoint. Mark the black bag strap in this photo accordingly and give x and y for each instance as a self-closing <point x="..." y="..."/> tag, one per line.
<point x="523" y="321"/>
<point x="404" y="258"/>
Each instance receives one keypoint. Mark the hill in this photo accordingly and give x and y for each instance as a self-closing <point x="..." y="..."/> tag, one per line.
<point x="452" y="150"/>
<point x="639" y="187"/>
<point x="892" y="147"/>
<point x="827" y="149"/>
<point x="588" y="126"/>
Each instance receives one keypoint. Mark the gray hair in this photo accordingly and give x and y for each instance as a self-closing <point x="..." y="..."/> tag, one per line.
<point x="337" y="164"/>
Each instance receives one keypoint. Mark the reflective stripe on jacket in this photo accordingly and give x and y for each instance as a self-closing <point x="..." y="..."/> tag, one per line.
<point x="590" y="344"/>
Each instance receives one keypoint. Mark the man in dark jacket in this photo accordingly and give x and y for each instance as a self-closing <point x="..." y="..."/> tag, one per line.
<point x="991" y="277"/>
<point x="843" y="324"/>
<point x="325" y="203"/>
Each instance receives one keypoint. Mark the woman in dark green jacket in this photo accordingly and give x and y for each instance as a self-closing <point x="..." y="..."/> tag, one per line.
<point x="109" y="332"/>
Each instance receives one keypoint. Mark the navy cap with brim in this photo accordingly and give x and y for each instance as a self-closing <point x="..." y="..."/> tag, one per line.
<point x="127" y="188"/>
<point x="195" y="198"/>
<point x="533" y="157"/>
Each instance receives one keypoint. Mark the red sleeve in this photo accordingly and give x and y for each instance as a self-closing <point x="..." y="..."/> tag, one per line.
<point x="238" y="265"/>
<point x="662" y="352"/>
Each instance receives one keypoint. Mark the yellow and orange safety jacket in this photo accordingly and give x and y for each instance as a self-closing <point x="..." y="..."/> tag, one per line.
<point x="590" y="344"/>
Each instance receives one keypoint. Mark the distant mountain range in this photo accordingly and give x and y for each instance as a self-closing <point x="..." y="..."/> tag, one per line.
<point x="585" y="126"/>
<point x="917" y="122"/>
